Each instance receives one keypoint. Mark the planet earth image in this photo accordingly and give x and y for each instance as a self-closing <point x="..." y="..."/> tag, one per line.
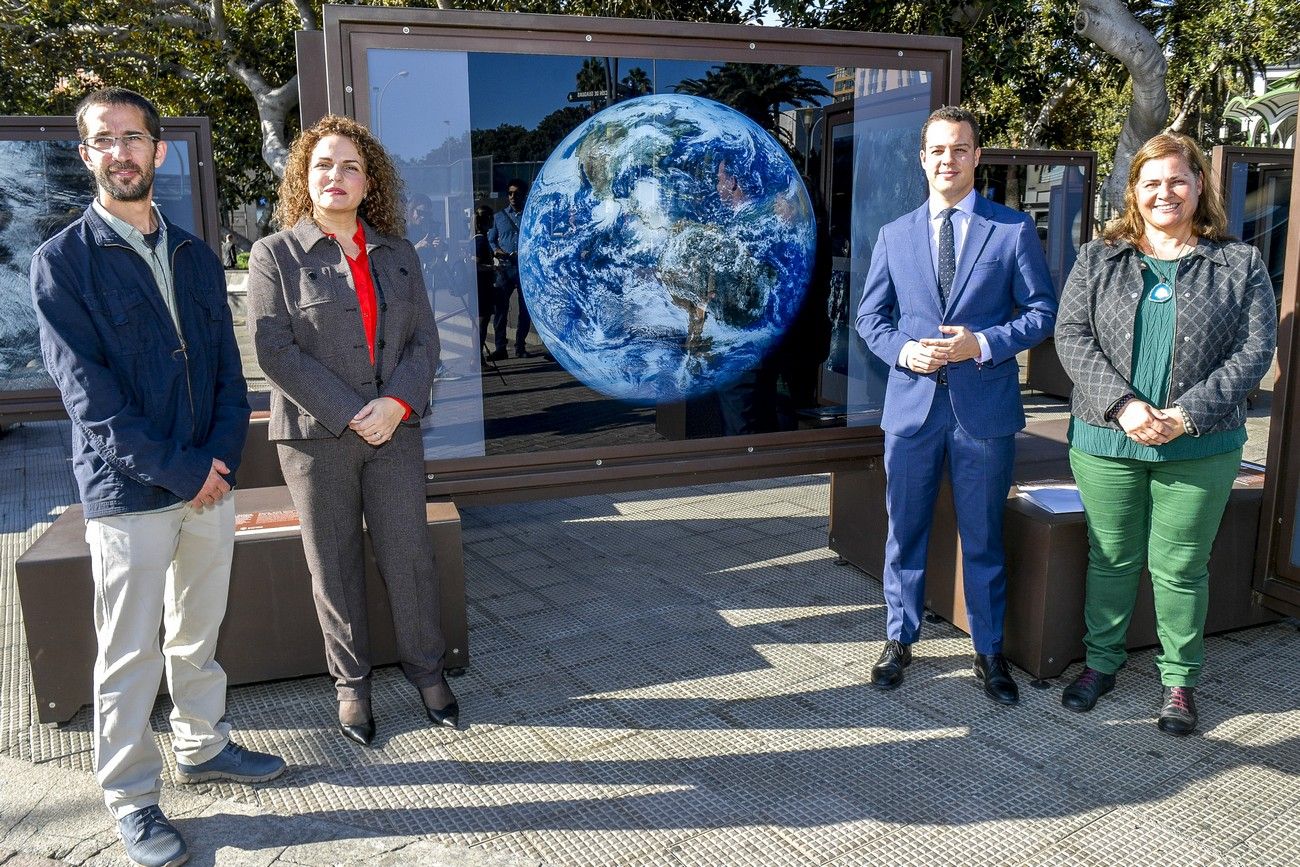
<point x="665" y="247"/>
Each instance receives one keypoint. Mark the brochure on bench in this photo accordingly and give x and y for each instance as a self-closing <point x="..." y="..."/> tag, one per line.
<point x="1058" y="496"/>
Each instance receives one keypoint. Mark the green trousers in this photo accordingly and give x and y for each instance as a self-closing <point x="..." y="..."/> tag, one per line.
<point x="1163" y="515"/>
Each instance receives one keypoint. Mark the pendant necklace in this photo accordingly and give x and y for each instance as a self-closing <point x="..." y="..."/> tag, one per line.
<point x="1164" y="290"/>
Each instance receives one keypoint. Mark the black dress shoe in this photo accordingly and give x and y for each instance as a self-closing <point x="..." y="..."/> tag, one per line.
<point x="887" y="673"/>
<point x="1082" y="694"/>
<point x="448" y="715"/>
<point x="359" y="733"/>
<point x="992" y="670"/>
<point x="1178" y="716"/>
<point x="499" y="355"/>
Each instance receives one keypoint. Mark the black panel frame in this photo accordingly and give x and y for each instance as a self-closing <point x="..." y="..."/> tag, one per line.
<point x="352" y="30"/>
<point x="1277" y="577"/>
<point x="38" y="404"/>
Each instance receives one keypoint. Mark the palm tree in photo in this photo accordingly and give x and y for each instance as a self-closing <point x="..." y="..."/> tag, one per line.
<point x="758" y="90"/>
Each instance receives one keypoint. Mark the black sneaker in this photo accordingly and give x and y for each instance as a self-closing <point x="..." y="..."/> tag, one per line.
<point x="1178" y="715"/>
<point x="1082" y="694"/>
<point x="150" y="840"/>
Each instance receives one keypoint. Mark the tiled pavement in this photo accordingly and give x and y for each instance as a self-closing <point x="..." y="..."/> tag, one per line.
<point x="679" y="677"/>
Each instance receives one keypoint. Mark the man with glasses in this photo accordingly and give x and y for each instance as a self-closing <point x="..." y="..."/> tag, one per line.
<point x="136" y="332"/>
<point x="504" y="238"/>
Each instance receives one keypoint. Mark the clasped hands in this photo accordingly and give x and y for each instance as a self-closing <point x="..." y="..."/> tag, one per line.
<point x="377" y="420"/>
<point x="1149" y="425"/>
<point x="931" y="353"/>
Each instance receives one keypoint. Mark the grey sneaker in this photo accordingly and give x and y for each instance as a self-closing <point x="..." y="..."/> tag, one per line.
<point x="233" y="763"/>
<point x="150" y="840"/>
<point x="1178" y="715"/>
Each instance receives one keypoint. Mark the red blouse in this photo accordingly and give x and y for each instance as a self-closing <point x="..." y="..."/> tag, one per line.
<point x="365" y="286"/>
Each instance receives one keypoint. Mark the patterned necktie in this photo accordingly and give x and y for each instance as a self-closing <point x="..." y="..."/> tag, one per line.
<point x="947" y="255"/>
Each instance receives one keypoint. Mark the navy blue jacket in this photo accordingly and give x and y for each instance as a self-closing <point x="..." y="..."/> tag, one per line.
<point x="149" y="411"/>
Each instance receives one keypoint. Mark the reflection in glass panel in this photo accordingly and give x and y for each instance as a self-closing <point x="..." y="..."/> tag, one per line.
<point x="46" y="187"/>
<point x="466" y="126"/>
<point x="1053" y="195"/>
<point x="1258" y="209"/>
<point x="429" y="140"/>
<point x="889" y="107"/>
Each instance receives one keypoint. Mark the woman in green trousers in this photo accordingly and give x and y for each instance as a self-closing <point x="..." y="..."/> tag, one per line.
<point x="1165" y="325"/>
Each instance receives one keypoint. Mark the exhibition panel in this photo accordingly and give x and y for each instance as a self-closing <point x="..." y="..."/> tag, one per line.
<point x="676" y="293"/>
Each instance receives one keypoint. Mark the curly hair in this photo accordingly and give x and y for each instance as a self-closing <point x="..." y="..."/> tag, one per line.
<point x="382" y="206"/>
<point x="1210" y="220"/>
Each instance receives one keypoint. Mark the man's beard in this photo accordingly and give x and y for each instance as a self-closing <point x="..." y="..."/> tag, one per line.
<point x="136" y="191"/>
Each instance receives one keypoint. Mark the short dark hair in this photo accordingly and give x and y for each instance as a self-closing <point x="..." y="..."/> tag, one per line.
<point x="515" y="182"/>
<point x="483" y="218"/>
<point x="952" y="114"/>
<point x="119" y="96"/>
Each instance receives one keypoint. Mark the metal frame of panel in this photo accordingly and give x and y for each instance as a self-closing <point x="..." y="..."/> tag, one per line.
<point x="1044" y="371"/>
<point x="1277" y="579"/>
<point x="44" y="403"/>
<point x="1222" y="156"/>
<point x="1031" y="157"/>
<point x="352" y="30"/>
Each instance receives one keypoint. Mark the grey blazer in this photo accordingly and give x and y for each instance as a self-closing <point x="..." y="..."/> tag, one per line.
<point x="310" y="342"/>
<point x="1225" y="329"/>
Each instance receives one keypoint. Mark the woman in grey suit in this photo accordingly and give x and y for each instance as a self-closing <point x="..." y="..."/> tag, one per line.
<point x="345" y="335"/>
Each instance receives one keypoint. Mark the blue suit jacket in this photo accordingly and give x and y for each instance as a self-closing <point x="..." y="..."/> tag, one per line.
<point x="1002" y="289"/>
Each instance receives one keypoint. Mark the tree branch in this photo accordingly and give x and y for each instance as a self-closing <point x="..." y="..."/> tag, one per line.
<point x="1034" y="130"/>
<point x="1110" y="25"/>
<point x="305" y="15"/>
<point x="273" y="107"/>
<point x="1191" y="98"/>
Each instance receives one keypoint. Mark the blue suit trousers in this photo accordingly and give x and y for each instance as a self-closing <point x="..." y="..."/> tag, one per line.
<point x="980" y="471"/>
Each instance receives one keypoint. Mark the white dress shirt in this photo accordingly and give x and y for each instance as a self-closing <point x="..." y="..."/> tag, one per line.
<point x="960" y="228"/>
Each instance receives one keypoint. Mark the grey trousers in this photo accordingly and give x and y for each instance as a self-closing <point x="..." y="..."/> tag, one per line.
<point x="334" y="482"/>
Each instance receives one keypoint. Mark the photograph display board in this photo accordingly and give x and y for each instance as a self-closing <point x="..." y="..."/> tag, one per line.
<point x="1057" y="189"/>
<point x="1256" y="185"/>
<point x="666" y="237"/>
<point x="1266" y="221"/>
<point x="47" y="187"/>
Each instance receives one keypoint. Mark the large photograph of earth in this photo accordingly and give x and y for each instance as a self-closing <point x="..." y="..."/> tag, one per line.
<point x="665" y="247"/>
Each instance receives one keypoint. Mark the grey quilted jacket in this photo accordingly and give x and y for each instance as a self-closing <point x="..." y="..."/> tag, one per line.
<point x="1225" y="329"/>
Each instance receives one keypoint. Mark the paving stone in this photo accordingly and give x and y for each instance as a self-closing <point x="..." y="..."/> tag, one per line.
<point x="680" y="677"/>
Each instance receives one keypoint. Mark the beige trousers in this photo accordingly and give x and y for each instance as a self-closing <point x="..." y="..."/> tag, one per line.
<point x="166" y="570"/>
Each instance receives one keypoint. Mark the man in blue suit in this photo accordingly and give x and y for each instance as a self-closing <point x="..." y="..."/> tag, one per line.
<point x="956" y="288"/>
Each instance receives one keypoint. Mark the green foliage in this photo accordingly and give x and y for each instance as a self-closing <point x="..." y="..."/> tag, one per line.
<point x="1020" y="55"/>
<point x="56" y="51"/>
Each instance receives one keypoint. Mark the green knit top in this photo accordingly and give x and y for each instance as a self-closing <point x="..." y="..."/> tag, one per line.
<point x="1153" y="357"/>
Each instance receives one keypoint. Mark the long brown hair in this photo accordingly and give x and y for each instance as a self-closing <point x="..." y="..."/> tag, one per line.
<point x="1210" y="221"/>
<point x="380" y="208"/>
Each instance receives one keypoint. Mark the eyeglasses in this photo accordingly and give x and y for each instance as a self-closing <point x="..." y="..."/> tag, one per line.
<point x="136" y="141"/>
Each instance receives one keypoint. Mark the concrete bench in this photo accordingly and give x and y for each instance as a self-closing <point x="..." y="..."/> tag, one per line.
<point x="270" y="630"/>
<point x="1047" y="558"/>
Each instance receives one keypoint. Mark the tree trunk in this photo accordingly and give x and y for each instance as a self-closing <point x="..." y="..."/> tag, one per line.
<point x="273" y="107"/>
<point x="1109" y="25"/>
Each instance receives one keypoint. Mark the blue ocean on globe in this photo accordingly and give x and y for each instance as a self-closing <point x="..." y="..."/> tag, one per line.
<point x="665" y="247"/>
